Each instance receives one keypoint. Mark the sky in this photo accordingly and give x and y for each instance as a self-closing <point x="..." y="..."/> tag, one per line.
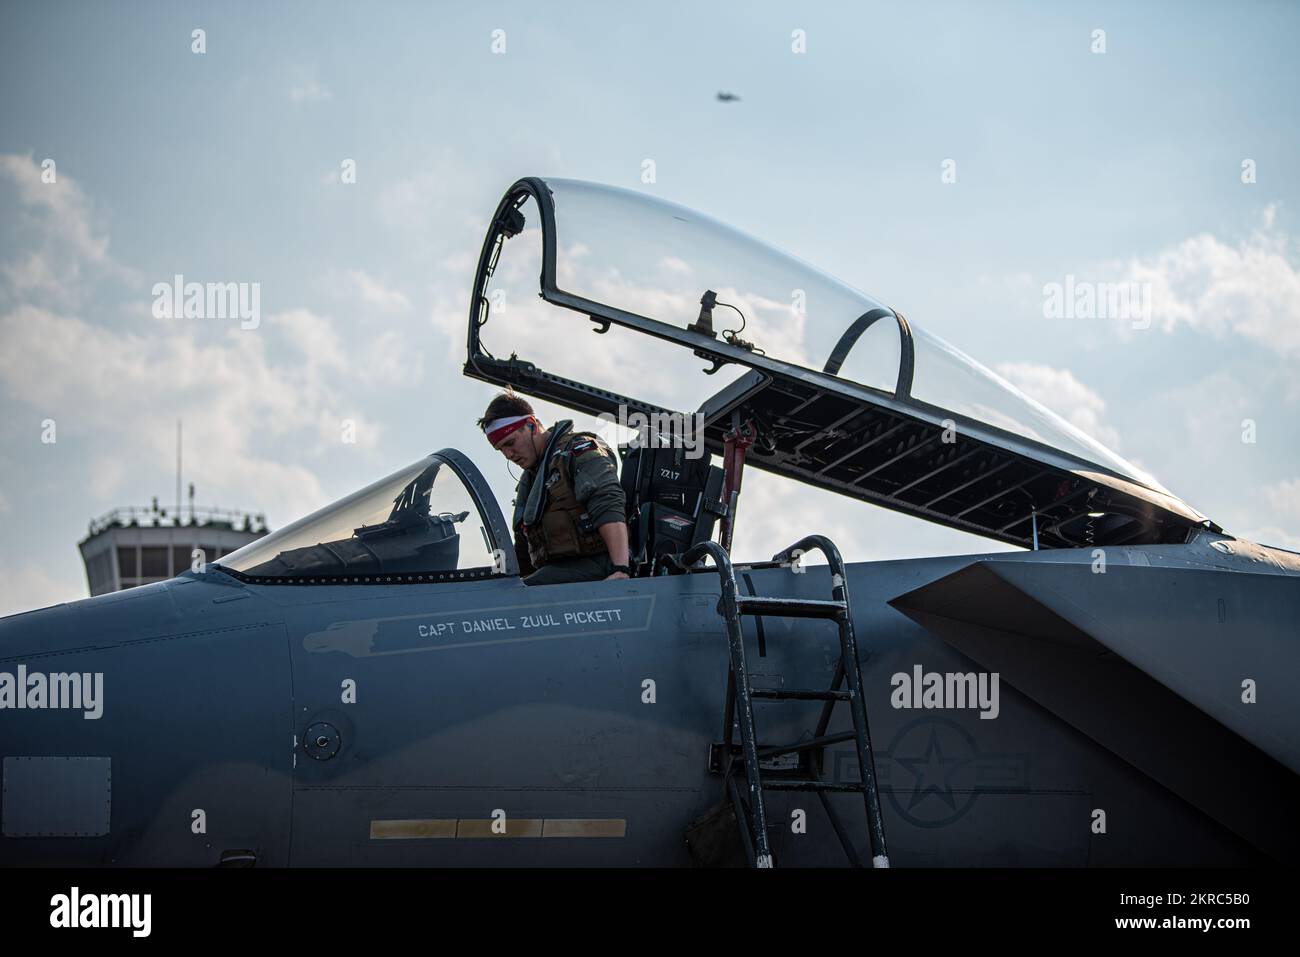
<point x="954" y="160"/>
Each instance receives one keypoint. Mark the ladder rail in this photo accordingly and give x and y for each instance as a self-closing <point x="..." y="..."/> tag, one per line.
<point x="739" y="703"/>
<point x="849" y="668"/>
<point x="729" y="609"/>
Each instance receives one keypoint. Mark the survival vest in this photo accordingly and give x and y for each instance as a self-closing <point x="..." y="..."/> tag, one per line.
<point x="565" y="530"/>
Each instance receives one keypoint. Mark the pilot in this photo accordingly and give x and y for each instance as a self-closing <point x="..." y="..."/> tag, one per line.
<point x="572" y="526"/>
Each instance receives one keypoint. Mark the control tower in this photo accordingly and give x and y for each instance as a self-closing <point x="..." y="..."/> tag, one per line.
<point x="135" y="546"/>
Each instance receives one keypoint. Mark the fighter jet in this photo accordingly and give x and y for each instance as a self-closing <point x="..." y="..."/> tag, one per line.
<point x="374" y="685"/>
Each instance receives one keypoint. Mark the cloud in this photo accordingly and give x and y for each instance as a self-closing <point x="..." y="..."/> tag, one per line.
<point x="57" y="234"/>
<point x="309" y="91"/>
<point x="1016" y="285"/>
<point x="418" y="200"/>
<point x="313" y="337"/>
<point x="373" y="293"/>
<point x="1065" y="395"/>
<point x="1251" y="288"/>
<point x="34" y="273"/>
<point x="1284" y="499"/>
<point x="389" y="360"/>
<point x="121" y="391"/>
<point x="63" y="199"/>
<point x="26" y="585"/>
<point x="107" y="474"/>
<point x="376" y="360"/>
<point x="103" y="378"/>
<point x="774" y="513"/>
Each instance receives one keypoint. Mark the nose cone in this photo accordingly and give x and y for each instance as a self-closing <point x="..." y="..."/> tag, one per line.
<point x="19" y="634"/>
<point x="68" y="688"/>
<point x="120" y="714"/>
<point x="90" y="623"/>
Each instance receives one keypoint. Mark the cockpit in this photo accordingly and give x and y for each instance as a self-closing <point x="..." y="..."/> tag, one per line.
<point x="785" y="368"/>
<point x="431" y="521"/>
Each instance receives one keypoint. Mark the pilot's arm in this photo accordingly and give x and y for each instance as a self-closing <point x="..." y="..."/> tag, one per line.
<point x="521" y="555"/>
<point x="596" y="486"/>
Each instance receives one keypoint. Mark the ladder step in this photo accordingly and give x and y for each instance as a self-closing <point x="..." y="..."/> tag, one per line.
<point x="799" y="694"/>
<point x="790" y="607"/>
<point x="778" y="785"/>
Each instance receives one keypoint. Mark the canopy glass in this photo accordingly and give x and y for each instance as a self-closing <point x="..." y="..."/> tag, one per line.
<point x="635" y="252"/>
<point x="420" y="519"/>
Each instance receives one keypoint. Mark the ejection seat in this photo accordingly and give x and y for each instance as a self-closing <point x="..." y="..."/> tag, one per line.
<point x="674" y="500"/>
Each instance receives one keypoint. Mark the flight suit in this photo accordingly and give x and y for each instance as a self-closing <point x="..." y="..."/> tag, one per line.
<point x="582" y="493"/>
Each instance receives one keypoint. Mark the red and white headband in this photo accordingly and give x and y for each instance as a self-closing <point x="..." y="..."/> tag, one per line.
<point x="498" y="429"/>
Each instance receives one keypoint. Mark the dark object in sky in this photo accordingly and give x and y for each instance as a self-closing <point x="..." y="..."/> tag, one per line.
<point x="725" y="97"/>
<point x="373" y="685"/>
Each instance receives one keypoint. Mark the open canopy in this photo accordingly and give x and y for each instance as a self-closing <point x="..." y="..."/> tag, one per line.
<point x="842" y="391"/>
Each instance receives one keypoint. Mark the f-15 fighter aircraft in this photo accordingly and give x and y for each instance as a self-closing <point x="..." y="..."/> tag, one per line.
<point x="373" y="684"/>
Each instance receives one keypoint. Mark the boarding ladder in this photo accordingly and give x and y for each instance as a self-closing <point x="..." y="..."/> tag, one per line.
<point x="727" y="757"/>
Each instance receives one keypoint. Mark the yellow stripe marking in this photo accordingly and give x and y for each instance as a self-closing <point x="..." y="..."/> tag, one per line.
<point x="412" y="830"/>
<point x="514" y="827"/>
<point x="423" y="829"/>
<point x="585" y="827"/>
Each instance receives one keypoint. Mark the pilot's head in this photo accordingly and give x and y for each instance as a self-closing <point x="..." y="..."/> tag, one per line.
<point x="513" y="430"/>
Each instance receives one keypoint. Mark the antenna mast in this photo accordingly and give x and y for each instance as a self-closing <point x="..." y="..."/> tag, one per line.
<point x="178" y="471"/>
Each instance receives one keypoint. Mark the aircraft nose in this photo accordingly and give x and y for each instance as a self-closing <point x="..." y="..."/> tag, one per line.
<point x="89" y="623"/>
<point x="96" y="737"/>
<point x="28" y="632"/>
